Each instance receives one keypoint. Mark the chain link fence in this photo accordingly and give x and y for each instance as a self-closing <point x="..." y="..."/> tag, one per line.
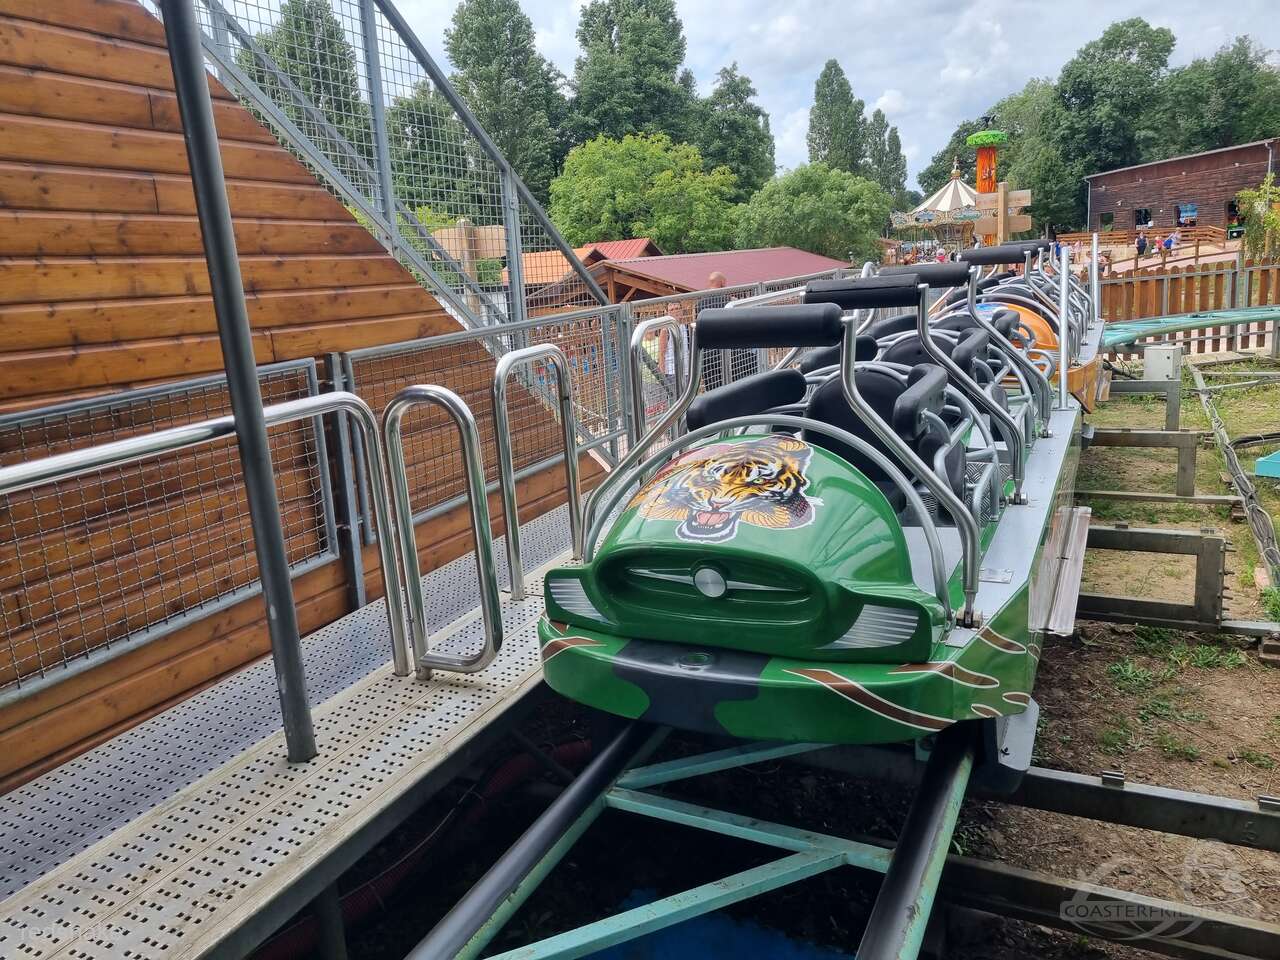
<point x="347" y="87"/>
<point x="128" y="553"/>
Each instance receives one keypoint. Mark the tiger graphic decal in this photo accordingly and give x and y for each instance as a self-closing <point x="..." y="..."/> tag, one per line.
<point x="714" y="488"/>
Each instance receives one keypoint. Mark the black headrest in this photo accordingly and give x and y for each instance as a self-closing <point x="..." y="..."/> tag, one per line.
<point x="865" y="348"/>
<point x="898" y="290"/>
<point x="792" y="325"/>
<point x="754" y="394"/>
<point x="926" y="390"/>
<point x="891" y="325"/>
<point x="1009" y="253"/>
<point x="971" y="347"/>
<point x="936" y="275"/>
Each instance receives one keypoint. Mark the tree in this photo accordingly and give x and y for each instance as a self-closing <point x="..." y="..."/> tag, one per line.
<point x="1103" y="110"/>
<point x="885" y="162"/>
<point x="1231" y="97"/>
<point x="819" y="209"/>
<point x="309" y="45"/>
<point x="644" y="186"/>
<point x="956" y="150"/>
<point x="896" y="169"/>
<point x="1261" y="210"/>
<point x="435" y="162"/>
<point x="735" y="132"/>
<point x="511" y="88"/>
<point x="629" y="77"/>
<point x="836" y="125"/>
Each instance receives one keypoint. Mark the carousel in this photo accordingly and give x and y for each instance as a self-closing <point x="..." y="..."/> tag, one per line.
<point x="942" y="221"/>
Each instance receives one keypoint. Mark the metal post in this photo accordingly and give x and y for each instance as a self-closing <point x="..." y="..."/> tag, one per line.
<point x="378" y="113"/>
<point x="630" y="418"/>
<point x="349" y="539"/>
<point x="331" y="933"/>
<point x="1064" y="324"/>
<point x="896" y="927"/>
<point x="515" y="260"/>
<point x="1095" y="282"/>
<point x="182" y="33"/>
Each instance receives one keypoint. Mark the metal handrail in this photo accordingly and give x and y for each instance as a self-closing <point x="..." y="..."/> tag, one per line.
<point x="65" y="466"/>
<point x="936" y="556"/>
<point x="506" y="466"/>
<point x="1064" y="389"/>
<point x="636" y="355"/>
<point x="966" y="524"/>
<point x="473" y="462"/>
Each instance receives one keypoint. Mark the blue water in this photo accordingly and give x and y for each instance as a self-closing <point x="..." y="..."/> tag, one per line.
<point x="714" y="937"/>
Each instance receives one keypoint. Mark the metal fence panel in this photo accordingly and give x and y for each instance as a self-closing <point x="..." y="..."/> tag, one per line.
<point x="465" y="363"/>
<point x="130" y="553"/>
<point x="348" y="88"/>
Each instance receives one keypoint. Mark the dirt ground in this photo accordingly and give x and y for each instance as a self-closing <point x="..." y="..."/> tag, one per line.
<point x="1179" y="710"/>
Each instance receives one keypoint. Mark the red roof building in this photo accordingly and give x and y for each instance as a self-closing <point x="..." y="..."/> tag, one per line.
<point x="639" y="278"/>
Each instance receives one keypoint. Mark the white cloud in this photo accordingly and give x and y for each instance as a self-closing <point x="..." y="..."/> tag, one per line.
<point x="955" y="58"/>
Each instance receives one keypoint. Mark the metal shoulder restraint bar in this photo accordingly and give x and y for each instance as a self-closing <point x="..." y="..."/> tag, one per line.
<point x="950" y="276"/>
<point x="65" y="466"/>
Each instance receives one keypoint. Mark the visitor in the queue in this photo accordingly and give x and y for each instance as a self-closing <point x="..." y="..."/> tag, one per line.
<point x="1141" y="244"/>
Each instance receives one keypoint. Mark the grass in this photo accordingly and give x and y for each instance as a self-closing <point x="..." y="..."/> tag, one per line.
<point x="1271" y="602"/>
<point x="1116" y="739"/>
<point x="1176" y="749"/>
<point x="1162" y="707"/>
<point x="1255" y="759"/>
<point x="1129" y="676"/>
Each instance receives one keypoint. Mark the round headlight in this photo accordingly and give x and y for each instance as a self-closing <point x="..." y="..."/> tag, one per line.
<point x="710" y="582"/>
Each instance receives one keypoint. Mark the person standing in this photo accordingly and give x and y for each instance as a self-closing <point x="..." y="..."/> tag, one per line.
<point x="742" y="363"/>
<point x="1141" y="245"/>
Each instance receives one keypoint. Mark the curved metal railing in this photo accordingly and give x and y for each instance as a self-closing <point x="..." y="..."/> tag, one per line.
<point x="637" y="355"/>
<point x="477" y="496"/>
<point x="506" y="465"/>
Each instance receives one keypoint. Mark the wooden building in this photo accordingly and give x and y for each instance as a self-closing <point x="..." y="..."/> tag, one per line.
<point x="103" y="287"/>
<point x="1195" y="190"/>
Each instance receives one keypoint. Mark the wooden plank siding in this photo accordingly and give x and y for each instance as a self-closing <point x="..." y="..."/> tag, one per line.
<point x="104" y="287"/>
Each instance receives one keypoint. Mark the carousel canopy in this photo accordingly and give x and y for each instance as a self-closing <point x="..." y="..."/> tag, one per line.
<point x="955" y="202"/>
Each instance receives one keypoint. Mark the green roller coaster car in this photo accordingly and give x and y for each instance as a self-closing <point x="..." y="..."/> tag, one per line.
<point x="761" y="587"/>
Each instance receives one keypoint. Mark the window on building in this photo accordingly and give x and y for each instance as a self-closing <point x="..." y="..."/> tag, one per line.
<point x="1187" y="213"/>
<point x="1107" y="221"/>
<point x="1142" y="218"/>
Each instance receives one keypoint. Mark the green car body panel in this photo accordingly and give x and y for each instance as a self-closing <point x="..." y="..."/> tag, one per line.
<point x="808" y="626"/>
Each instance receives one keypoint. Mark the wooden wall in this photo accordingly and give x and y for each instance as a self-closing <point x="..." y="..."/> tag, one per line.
<point x="103" y="286"/>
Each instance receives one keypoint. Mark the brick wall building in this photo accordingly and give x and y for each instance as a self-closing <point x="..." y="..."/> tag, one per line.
<point x="1198" y="189"/>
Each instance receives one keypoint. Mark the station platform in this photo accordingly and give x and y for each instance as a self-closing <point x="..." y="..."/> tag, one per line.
<point x="190" y="835"/>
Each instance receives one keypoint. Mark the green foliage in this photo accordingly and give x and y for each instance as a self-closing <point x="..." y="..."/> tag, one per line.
<point x="629" y="77"/>
<point x="837" y="129"/>
<point x="1261" y="210"/>
<point x="817" y="208"/>
<point x="938" y="172"/>
<point x="986" y="138"/>
<point x="309" y="45"/>
<point x="1271" y="603"/>
<point x="1117" y="103"/>
<point x="643" y="186"/>
<point x="1116" y="739"/>
<point x="510" y="87"/>
<point x="1257" y="759"/>
<point x="734" y="132"/>
<point x="1129" y="676"/>
<point x="1175" y="748"/>
<point x="435" y="162"/>
<point x="885" y="163"/>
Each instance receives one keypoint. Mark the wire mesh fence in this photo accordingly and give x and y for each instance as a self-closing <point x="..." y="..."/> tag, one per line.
<point x="465" y="363"/>
<point x="347" y="87"/>
<point x="130" y="552"/>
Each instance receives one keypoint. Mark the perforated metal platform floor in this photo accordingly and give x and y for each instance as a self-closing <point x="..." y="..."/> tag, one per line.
<point x="170" y="839"/>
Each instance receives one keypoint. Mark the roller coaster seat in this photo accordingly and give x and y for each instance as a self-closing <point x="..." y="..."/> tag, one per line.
<point x="902" y="406"/>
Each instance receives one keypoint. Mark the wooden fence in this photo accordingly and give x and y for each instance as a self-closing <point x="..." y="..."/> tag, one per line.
<point x="1221" y="286"/>
<point x="1127" y="238"/>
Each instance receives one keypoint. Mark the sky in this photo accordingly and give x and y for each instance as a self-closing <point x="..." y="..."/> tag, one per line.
<point x="929" y="64"/>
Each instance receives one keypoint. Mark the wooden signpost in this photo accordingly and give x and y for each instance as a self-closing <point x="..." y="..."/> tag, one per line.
<point x="1000" y="213"/>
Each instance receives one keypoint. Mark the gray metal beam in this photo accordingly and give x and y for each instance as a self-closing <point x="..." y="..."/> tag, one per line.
<point x="1171" y="390"/>
<point x="1141" y="496"/>
<point x="182" y="34"/>
<point x="1180" y="812"/>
